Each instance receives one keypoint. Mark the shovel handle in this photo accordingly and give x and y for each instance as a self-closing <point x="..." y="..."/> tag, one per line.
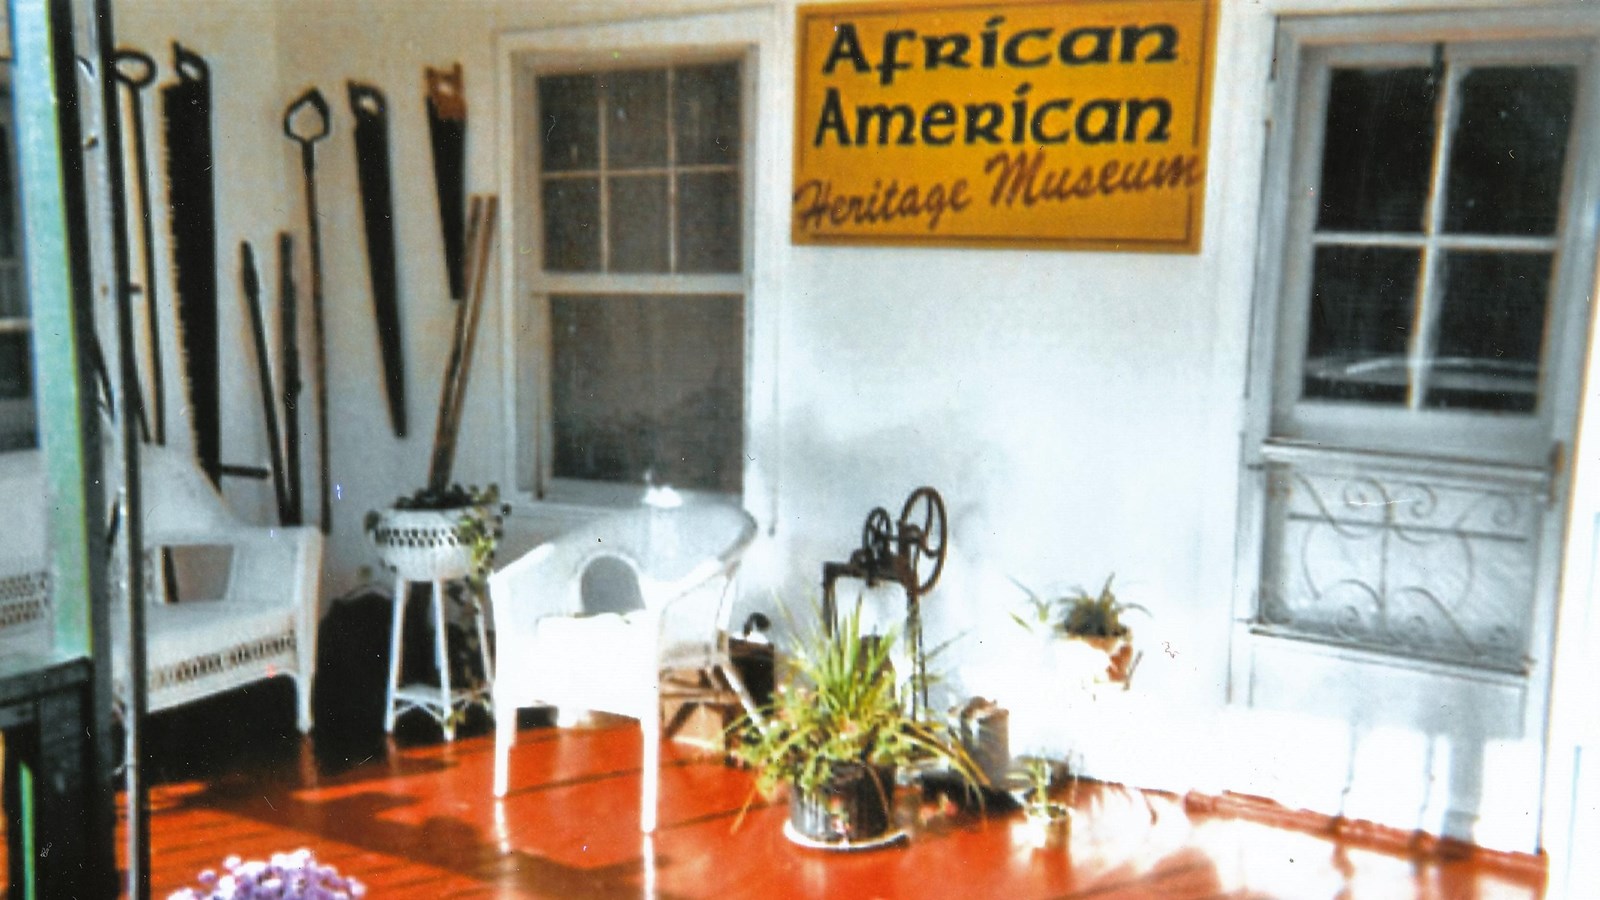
<point x="313" y="99"/>
<point x="133" y="68"/>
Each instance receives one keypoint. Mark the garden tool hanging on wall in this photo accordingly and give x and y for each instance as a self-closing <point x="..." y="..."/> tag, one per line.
<point x="447" y="129"/>
<point x="458" y="369"/>
<point x="191" y="195"/>
<point x="269" y="399"/>
<point x="306" y="122"/>
<point x="289" y="360"/>
<point x="135" y="71"/>
<point x="377" y="207"/>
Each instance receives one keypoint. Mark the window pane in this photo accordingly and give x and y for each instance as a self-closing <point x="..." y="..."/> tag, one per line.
<point x="636" y="118"/>
<point x="8" y="193"/>
<point x="571" y="224"/>
<point x="569" y="111"/>
<point x="649" y="384"/>
<point x="709" y="224"/>
<point x="1361" y="309"/>
<point x="1508" y="150"/>
<point x="705" y="113"/>
<point x="1377" y="149"/>
<point x="639" y="224"/>
<point x="16" y="367"/>
<point x="1491" y="331"/>
<point x="13" y="296"/>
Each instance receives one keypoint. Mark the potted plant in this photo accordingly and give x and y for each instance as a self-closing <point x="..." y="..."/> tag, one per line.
<point x="450" y="535"/>
<point x="292" y="876"/>
<point x="1092" y="620"/>
<point x="835" y="735"/>
<point x="1047" y="823"/>
<point x="438" y="534"/>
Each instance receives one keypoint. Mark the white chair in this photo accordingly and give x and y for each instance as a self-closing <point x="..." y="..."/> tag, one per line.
<point x="261" y="623"/>
<point x="549" y="654"/>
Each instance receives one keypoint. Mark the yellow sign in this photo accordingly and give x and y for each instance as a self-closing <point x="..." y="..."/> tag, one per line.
<point x="1070" y="124"/>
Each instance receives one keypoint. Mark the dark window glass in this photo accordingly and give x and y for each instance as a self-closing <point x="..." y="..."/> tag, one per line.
<point x="638" y="225"/>
<point x="709" y="229"/>
<point x="1361" y="311"/>
<point x="1490" y="332"/>
<point x="1508" y="150"/>
<point x="8" y="207"/>
<point x="16" y="366"/>
<point x="705" y="114"/>
<point x="1377" y="149"/>
<point x="571" y="225"/>
<point x="636" y="119"/>
<point x="649" y="384"/>
<point x="569" y="114"/>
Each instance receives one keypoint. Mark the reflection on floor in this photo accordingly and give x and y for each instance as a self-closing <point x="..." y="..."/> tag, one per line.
<point x="419" y="822"/>
<point x="415" y="818"/>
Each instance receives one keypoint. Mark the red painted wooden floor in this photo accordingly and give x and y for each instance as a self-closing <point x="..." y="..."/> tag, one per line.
<point x="420" y="822"/>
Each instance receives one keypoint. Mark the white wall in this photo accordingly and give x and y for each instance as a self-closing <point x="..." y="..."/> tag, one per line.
<point x="1080" y="412"/>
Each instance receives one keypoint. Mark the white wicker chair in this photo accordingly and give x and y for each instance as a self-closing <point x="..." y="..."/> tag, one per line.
<point x="262" y="624"/>
<point x="549" y="654"/>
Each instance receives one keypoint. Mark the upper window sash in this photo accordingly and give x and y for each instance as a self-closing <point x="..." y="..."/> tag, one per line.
<point x="1308" y="65"/>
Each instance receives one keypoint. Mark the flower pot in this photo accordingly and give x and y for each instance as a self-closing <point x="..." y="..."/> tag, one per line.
<point x="1048" y="827"/>
<point x="424" y="544"/>
<point x="856" y="806"/>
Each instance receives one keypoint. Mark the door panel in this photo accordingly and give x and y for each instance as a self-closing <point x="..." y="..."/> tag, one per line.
<point x="1421" y="305"/>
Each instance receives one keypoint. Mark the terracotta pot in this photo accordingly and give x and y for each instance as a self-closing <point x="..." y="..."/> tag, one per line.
<point x="857" y="805"/>
<point x="1119" y="655"/>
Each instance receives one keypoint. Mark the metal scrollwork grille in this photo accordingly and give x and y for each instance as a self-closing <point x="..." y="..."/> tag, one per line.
<point x="1399" y="563"/>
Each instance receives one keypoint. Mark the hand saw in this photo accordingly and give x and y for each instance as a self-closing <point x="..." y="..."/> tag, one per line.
<point x="377" y="207"/>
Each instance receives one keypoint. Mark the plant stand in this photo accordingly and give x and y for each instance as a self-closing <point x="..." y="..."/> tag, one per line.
<point x="422" y="547"/>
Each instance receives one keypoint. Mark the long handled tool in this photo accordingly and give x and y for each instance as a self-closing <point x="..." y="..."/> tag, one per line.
<point x="306" y="130"/>
<point x="186" y="106"/>
<point x="136" y="71"/>
<point x="447" y="129"/>
<point x="377" y="207"/>
<point x="269" y="399"/>
<point x="458" y="370"/>
<point x="289" y="359"/>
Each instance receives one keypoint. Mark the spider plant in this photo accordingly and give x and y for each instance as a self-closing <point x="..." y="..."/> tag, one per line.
<point x="840" y="708"/>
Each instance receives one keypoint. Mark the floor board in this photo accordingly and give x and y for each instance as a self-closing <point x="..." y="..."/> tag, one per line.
<point x="419" y="822"/>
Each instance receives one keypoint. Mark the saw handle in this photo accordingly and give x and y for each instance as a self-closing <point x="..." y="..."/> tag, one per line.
<point x="313" y="99"/>
<point x="133" y="68"/>
<point x="189" y="65"/>
<point x="366" y="101"/>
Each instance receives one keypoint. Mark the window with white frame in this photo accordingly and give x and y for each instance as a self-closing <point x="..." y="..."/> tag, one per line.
<point x="1428" y="246"/>
<point x="17" y="427"/>
<point x="636" y="177"/>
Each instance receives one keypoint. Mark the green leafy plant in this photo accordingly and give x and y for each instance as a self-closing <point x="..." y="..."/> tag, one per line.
<point x="840" y="708"/>
<point x="1040" y="772"/>
<point x="479" y="528"/>
<point x="1078" y="614"/>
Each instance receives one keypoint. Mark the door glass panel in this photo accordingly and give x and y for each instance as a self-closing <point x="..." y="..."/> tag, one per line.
<point x="570" y="123"/>
<point x="1491" y="330"/>
<point x="639" y="233"/>
<point x="1361" y="312"/>
<point x="648" y="384"/>
<point x="1509" y="150"/>
<point x="1378" y="143"/>
<point x="636" y="119"/>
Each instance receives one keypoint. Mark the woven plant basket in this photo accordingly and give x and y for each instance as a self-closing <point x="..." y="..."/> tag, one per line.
<point x="424" y="544"/>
